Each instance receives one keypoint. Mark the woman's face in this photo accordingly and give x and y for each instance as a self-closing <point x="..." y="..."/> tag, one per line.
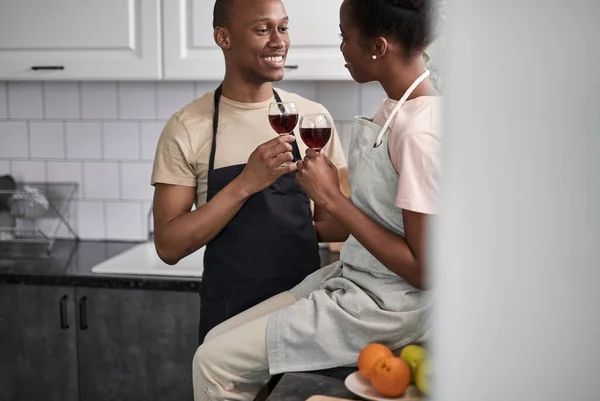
<point x="354" y="47"/>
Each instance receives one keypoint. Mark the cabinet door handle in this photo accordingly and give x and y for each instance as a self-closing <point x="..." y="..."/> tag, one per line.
<point x="291" y="67"/>
<point x="83" y="313"/>
<point x="64" y="319"/>
<point x="48" y="67"/>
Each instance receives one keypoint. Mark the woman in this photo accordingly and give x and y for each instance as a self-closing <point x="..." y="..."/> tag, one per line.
<point x="375" y="292"/>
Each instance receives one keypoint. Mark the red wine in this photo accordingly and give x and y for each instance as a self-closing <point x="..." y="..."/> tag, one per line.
<point x="315" y="138"/>
<point x="283" y="123"/>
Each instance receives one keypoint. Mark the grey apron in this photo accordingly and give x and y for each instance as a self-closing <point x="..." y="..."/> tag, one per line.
<point x="357" y="300"/>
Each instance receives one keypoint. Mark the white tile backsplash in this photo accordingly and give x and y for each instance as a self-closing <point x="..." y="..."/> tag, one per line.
<point x="372" y="95"/>
<point x="91" y="222"/>
<point x="84" y="140"/>
<point x="202" y="87"/>
<point x="99" y="100"/>
<point x="14" y="140"/>
<point x="150" y="133"/>
<point x="304" y="89"/>
<point x="172" y="96"/>
<point x="101" y="180"/>
<point x="47" y="140"/>
<point x="121" y="141"/>
<point x="344" y="131"/>
<point x="3" y="101"/>
<point x="28" y="171"/>
<point x="25" y="100"/>
<point x="135" y="181"/>
<point x="124" y="221"/>
<point x="103" y="135"/>
<point x="137" y="100"/>
<point x="61" y="100"/>
<point x="340" y="98"/>
<point x="66" y="172"/>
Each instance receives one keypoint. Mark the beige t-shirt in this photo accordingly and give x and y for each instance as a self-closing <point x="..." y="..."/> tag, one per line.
<point x="183" y="150"/>
<point x="414" y="146"/>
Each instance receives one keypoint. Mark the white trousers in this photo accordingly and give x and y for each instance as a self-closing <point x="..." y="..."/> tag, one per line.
<point x="232" y="362"/>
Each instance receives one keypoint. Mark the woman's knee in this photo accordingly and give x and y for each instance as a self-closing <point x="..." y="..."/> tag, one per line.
<point x="205" y="358"/>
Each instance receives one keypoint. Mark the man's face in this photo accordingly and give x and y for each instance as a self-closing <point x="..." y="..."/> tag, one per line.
<point x="258" y="40"/>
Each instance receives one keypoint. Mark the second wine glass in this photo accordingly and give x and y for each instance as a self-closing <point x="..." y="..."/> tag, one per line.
<point x="315" y="130"/>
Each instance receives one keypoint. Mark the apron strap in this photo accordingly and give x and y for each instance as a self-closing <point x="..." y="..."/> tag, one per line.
<point x="213" y="148"/>
<point x="402" y="100"/>
<point x="295" y="149"/>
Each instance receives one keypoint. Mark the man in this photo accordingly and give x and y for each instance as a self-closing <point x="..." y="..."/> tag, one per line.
<point x="220" y="152"/>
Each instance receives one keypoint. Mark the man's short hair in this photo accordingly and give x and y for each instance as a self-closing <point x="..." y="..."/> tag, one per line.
<point x="222" y="12"/>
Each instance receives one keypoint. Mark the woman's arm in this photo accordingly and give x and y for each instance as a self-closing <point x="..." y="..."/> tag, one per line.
<point x="328" y="228"/>
<point x="403" y="256"/>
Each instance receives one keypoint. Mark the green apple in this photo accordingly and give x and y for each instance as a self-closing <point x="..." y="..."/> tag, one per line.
<point x="423" y="376"/>
<point x="412" y="355"/>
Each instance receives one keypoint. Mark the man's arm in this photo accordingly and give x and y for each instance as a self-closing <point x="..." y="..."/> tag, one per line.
<point x="178" y="231"/>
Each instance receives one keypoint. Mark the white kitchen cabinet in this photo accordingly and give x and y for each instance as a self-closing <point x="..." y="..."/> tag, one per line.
<point x="80" y="39"/>
<point x="190" y="52"/>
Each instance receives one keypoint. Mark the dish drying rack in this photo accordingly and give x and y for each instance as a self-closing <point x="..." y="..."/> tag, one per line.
<point x="29" y="203"/>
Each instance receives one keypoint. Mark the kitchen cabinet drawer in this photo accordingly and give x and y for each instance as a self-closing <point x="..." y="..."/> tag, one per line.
<point x="92" y="344"/>
<point x="38" y="347"/>
<point x="190" y="52"/>
<point x="136" y="344"/>
<point x="80" y="40"/>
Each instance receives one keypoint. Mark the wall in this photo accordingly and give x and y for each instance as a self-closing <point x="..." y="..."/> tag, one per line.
<point x="103" y="135"/>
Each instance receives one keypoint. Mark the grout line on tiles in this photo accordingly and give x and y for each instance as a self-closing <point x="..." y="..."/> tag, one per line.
<point x="79" y="102"/>
<point x="119" y="171"/>
<point x="104" y="213"/>
<point x="140" y="141"/>
<point x="118" y="101"/>
<point x="89" y="120"/>
<point x="7" y="84"/>
<point x="43" y="91"/>
<point x="82" y="167"/>
<point x="28" y="140"/>
<point x="143" y="227"/>
<point x="102" y="142"/>
<point x="6" y="99"/>
<point x="64" y="126"/>
<point x="119" y="174"/>
<point x="155" y="89"/>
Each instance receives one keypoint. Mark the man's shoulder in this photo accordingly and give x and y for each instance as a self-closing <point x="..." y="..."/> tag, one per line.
<point x="305" y="105"/>
<point x="197" y="110"/>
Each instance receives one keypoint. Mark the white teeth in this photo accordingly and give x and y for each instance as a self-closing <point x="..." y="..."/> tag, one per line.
<point x="277" y="59"/>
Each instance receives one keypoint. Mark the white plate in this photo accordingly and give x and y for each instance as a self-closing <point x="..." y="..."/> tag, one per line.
<point x="360" y="386"/>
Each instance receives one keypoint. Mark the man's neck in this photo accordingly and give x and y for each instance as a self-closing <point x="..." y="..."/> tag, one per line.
<point x="240" y="90"/>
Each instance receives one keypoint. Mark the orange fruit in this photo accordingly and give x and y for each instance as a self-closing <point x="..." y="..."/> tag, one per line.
<point x="370" y="354"/>
<point x="390" y="376"/>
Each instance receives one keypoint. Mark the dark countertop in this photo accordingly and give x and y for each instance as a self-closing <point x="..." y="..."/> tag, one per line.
<point x="71" y="262"/>
<point x="302" y="385"/>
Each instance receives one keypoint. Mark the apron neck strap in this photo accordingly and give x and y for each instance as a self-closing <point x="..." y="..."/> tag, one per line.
<point x="402" y="100"/>
<point x="215" y="127"/>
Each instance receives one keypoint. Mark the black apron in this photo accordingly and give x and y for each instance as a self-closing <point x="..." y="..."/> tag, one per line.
<point x="268" y="247"/>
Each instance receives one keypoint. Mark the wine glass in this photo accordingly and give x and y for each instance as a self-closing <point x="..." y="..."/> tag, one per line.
<point x="283" y="117"/>
<point x="315" y="130"/>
